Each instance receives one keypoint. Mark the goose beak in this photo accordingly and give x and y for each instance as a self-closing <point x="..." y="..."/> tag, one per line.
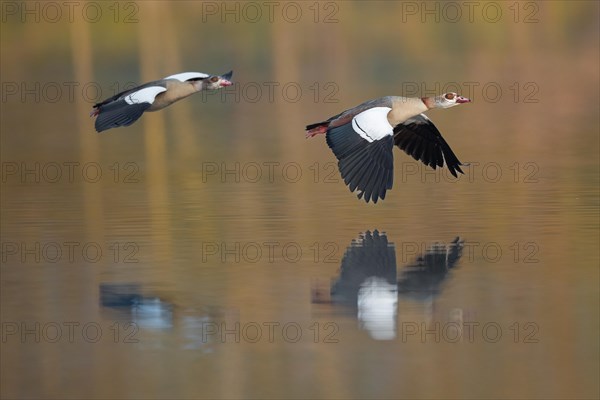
<point x="226" y="79"/>
<point x="461" y="100"/>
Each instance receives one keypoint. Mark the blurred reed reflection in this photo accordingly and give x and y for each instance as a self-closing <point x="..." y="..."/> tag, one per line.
<point x="155" y="135"/>
<point x="368" y="280"/>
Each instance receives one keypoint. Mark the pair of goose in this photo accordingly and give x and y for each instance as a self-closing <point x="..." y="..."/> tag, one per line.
<point x="362" y="138"/>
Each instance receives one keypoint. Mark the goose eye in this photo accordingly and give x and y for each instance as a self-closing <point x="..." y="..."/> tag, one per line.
<point x="449" y="96"/>
<point x="214" y="79"/>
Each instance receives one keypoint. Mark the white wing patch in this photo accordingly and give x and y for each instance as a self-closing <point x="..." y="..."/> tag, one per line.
<point x="424" y="117"/>
<point x="373" y="124"/>
<point x="146" y="95"/>
<point x="184" y="76"/>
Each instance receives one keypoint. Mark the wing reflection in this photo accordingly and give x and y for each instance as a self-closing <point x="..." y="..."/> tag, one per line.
<point x="369" y="256"/>
<point x="368" y="280"/>
<point x="425" y="276"/>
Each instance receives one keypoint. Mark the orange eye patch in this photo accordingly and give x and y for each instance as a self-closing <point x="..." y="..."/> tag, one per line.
<point x="449" y="96"/>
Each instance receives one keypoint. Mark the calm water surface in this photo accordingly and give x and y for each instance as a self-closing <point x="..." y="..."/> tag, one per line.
<point x="224" y="289"/>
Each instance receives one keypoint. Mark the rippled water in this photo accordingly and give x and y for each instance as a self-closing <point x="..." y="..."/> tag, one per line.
<point x="210" y="250"/>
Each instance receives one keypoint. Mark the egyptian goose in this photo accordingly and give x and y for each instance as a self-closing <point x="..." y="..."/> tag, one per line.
<point x="362" y="139"/>
<point x="125" y="108"/>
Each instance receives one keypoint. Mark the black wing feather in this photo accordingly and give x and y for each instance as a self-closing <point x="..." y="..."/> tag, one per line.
<point x="419" y="138"/>
<point x="119" y="113"/>
<point x="366" y="166"/>
<point x="375" y="178"/>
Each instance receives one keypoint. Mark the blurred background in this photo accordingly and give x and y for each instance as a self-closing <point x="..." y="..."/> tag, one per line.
<point x="200" y="252"/>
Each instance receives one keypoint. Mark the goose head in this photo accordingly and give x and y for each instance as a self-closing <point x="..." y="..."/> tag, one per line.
<point x="448" y="100"/>
<point x="214" y="82"/>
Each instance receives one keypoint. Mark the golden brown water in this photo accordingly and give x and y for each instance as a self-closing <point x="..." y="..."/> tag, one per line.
<point x="185" y="256"/>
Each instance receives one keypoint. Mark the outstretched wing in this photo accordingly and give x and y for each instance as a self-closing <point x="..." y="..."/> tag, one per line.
<point x="127" y="109"/>
<point x="363" y="147"/>
<point x="419" y="138"/>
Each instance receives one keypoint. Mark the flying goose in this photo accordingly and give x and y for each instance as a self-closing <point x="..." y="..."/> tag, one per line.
<point x="362" y="139"/>
<point x="125" y="108"/>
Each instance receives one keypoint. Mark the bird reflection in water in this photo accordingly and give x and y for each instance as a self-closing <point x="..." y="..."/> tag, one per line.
<point x="368" y="280"/>
<point x="160" y="322"/>
<point x="146" y="311"/>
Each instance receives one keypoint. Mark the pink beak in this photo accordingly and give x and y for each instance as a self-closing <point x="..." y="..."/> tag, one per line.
<point x="461" y="100"/>
<point x="225" y="82"/>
